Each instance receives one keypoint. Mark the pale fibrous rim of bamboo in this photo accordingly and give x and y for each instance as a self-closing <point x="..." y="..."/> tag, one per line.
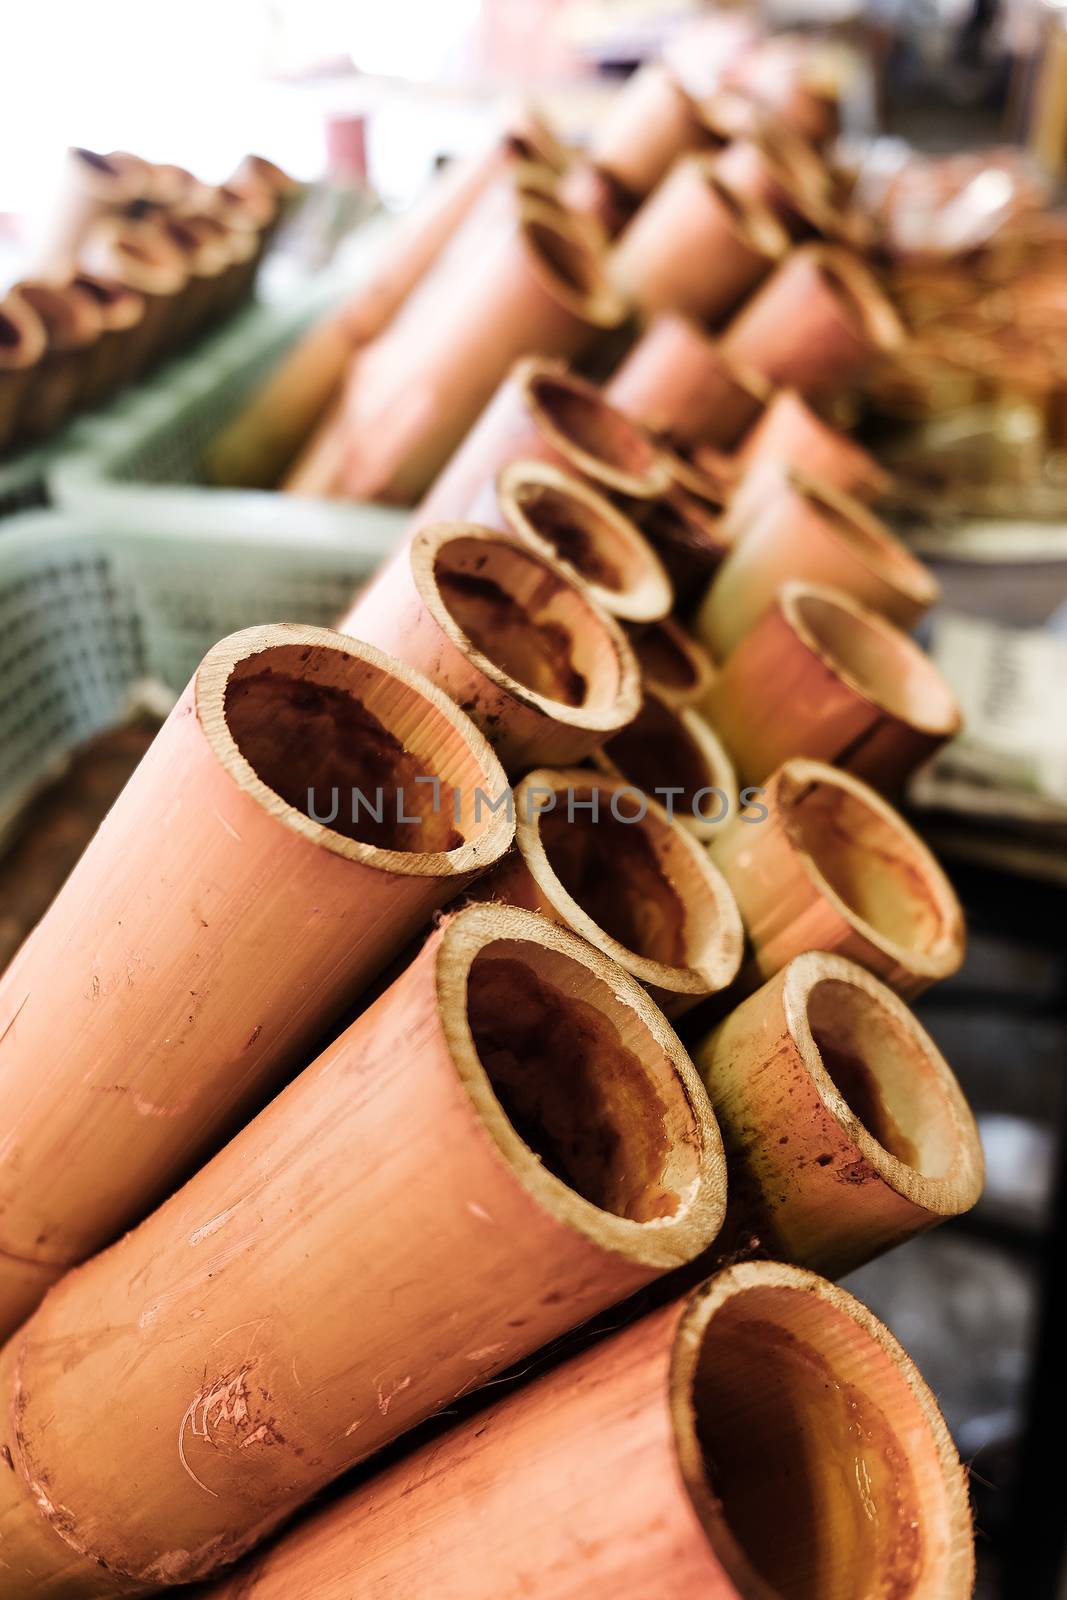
<point x="211" y="680"/>
<point x="956" y="1545"/>
<point x="661" y="1243"/>
<point x="599" y="304"/>
<point x="753" y="222"/>
<point x="960" y="1186"/>
<point x="720" y="959"/>
<point x="609" y="718"/>
<point x="796" y="590"/>
<point x="647" y="595"/>
<point x="655" y="480"/>
<point x="946" y="953"/>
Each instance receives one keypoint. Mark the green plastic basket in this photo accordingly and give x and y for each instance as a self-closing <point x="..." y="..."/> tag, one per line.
<point x="90" y="609"/>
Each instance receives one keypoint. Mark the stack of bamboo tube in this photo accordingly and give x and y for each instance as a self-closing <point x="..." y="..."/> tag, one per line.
<point x="488" y="1133"/>
<point x="133" y="261"/>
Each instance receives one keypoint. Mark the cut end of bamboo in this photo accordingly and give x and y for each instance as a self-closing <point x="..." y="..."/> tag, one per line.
<point x="673" y="663"/>
<point x="314" y="724"/>
<point x="599" y="441"/>
<point x="565" y="257"/>
<point x="582" y="1084"/>
<point x="526" y="625"/>
<point x="558" y="514"/>
<point x="791" y="1401"/>
<point x="861" y="295"/>
<point x="599" y="858"/>
<point x="835" y="867"/>
<point x="664" y="749"/>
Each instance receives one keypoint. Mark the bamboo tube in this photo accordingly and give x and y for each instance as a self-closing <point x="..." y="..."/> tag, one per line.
<point x="790" y="432"/>
<point x="817" y="323"/>
<point x="208" y="257"/>
<point x="674" y="754"/>
<point x="704" y="474"/>
<point x="259" y="169"/>
<point x="690" y="539"/>
<point x="242" y="247"/>
<point x="832" y="866"/>
<point x="23" y="342"/>
<point x="543" y="412"/>
<point x="781" y="76"/>
<point x="596" y="856"/>
<point x="213" y="927"/>
<point x="649" y="123"/>
<point x="561" y="516"/>
<point x="822" y="676"/>
<point x="845" y="1129"/>
<point x="695" y="247"/>
<point x="117" y="355"/>
<point x="787" y="177"/>
<point x="92" y="186"/>
<point x="510" y="636"/>
<point x="673" y="663"/>
<point x="73" y="326"/>
<point x="138" y="255"/>
<point x="784" y="523"/>
<point x="590" y="190"/>
<point x="510" y="1139"/>
<point x="417" y="389"/>
<point x="677" y="381"/>
<point x="766" y="1437"/>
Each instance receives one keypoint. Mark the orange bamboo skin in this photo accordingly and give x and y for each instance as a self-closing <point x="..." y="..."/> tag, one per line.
<point x="645" y="1467"/>
<point x="845" y="1129"/>
<point x="542" y="412"/>
<point x="790" y="432"/>
<point x="816" y="324"/>
<point x="649" y="124"/>
<point x="785" y="523"/>
<point x="509" y="636"/>
<point x="677" y="381"/>
<point x="668" y="748"/>
<point x="673" y="663"/>
<point x="386" y="1184"/>
<point x="212" y="930"/>
<point x="694" y="247"/>
<point x="22" y="349"/>
<point x="73" y="325"/>
<point x="821" y="676"/>
<point x="625" y="877"/>
<point x="562" y="516"/>
<point x="415" y="390"/>
<point x="832" y="866"/>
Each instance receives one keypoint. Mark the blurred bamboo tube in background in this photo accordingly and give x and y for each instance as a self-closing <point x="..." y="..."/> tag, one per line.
<point x="23" y="342"/>
<point x="213" y="928"/>
<point x="690" y="537"/>
<point x="138" y="255"/>
<point x="832" y="866"/>
<point x="791" y="433"/>
<point x="770" y="167"/>
<point x="767" y="1436"/>
<point x="564" y="517"/>
<point x="648" y="124"/>
<point x="816" y="324"/>
<point x="695" y="247"/>
<point x="543" y="412"/>
<point x="822" y="676"/>
<point x="783" y="523"/>
<point x="672" y="754"/>
<point x="595" y="856"/>
<point x="510" y="636"/>
<point x="208" y="256"/>
<point x="509" y="1140"/>
<point x="672" y="662"/>
<point x="677" y="381"/>
<point x="117" y="355"/>
<point x="91" y="186"/>
<point x="845" y="1129"/>
<point x="73" y="326"/>
<point x="415" y="391"/>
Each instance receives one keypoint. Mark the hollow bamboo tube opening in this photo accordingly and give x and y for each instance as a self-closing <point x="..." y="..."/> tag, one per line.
<point x="561" y="516"/>
<point x="690" y="539"/>
<point x="751" y="220"/>
<point x="120" y="306"/>
<point x="672" y="662"/>
<point x="563" y="256"/>
<point x="601" y="859"/>
<point x="879" y="661"/>
<point x="583" y="1086"/>
<point x="329" y="727"/>
<point x="816" y="1458"/>
<point x="849" y="520"/>
<point x="23" y="336"/>
<point x="861" y="297"/>
<point x="596" y="438"/>
<point x="865" y="1136"/>
<point x="668" y="749"/>
<point x="868" y="886"/>
<point x="525" y="625"/>
<point x="70" y="315"/>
